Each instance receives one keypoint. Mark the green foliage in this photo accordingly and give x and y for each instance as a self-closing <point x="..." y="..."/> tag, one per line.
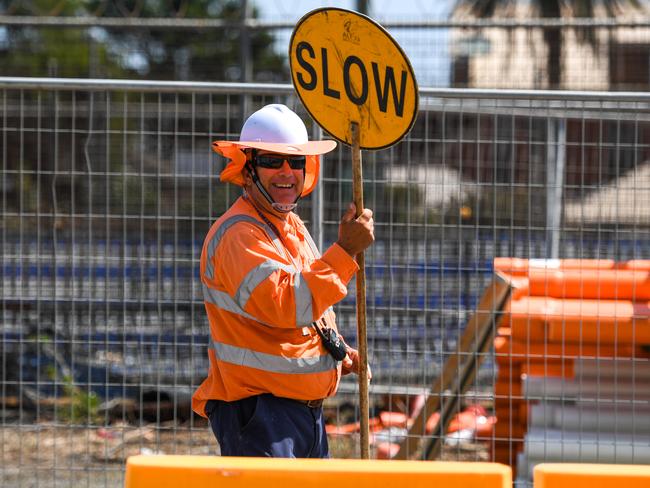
<point x="83" y="407"/>
<point x="165" y="54"/>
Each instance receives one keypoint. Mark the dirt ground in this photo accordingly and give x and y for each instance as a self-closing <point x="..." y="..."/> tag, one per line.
<point x="62" y="454"/>
<point x="47" y="454"/>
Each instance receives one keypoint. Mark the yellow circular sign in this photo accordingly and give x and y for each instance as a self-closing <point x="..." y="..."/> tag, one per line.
<point x="346" y="68"/>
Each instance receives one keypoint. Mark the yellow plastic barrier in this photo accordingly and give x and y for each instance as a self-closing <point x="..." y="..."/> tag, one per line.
<point x="232" y="472"/>
<point x="591" y="476"/>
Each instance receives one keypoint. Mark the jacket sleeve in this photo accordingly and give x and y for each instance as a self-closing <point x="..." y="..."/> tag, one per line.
<point x="263" y="284"/>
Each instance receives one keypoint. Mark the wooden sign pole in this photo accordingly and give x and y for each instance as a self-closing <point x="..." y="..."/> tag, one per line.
<point x="362" y="341"/>
<point x="346" y="38"/>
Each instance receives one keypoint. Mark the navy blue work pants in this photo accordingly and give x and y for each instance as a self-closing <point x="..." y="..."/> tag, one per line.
<point x="268" y="426"/>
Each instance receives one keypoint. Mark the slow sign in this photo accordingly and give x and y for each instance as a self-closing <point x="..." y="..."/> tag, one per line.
<point x="347" y="68"/>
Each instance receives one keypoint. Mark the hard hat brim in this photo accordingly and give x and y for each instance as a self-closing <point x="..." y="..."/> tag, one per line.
<point x="233" y="150"/>
<point x="306" y="149"/>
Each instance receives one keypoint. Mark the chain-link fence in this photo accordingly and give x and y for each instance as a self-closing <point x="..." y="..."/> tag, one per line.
<point x="108" y="188"/>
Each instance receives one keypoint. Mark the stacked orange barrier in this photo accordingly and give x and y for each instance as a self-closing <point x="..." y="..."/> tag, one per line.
<point x="561" y="311"/>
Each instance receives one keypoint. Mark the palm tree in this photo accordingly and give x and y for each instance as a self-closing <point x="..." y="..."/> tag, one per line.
<point x="551" y="9"/>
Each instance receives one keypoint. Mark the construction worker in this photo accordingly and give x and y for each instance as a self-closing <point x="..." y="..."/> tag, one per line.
<point x="275" y="353"/>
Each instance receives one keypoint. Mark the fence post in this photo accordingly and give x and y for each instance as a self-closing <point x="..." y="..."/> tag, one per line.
<point x="317" y="195"/>
<point x="245" y="57"/>
<point x="555" y="161"/>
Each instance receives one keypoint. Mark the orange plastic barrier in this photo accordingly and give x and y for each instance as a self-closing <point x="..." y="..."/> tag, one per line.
<point x="506" y="430"/>
<point x="507" y="389"/>
<point x="543" y="319"/>
<point x="558" y="369"/>
<point x="474" y="418"/>
<point x="519" y="266"/>
<point x="510" y="352"/>
<point x="563" y="310"/>
<point x="622" y="284"/>
<point x="507" y="450"/>
<point x="537" y="367"/>
<point x="232" y="472"/>
<point x="590" y="476"/>
<point x="470" y="418"/>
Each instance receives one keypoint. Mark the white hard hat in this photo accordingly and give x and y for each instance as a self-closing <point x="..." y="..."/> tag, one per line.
<point x="274" y="123"/>
<point x="278" y="129"/>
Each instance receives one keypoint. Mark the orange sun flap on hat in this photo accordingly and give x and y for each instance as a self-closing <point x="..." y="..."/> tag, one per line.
<point x="233" y="150"/>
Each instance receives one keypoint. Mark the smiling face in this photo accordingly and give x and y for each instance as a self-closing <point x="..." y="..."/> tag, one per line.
<point x="284" y="185"/>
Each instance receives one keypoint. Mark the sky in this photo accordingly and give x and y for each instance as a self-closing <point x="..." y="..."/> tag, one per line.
<point x="379" y="9"/>
<point x="427" y="49"/>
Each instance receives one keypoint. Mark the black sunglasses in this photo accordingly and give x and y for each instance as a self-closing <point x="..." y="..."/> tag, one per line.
<point x="275" y="161"/>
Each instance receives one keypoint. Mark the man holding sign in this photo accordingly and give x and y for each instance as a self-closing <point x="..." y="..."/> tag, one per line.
<point x="275" y="353"/>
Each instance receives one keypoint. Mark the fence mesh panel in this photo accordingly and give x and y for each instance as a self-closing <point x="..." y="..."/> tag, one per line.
<point x="107" y="194"/>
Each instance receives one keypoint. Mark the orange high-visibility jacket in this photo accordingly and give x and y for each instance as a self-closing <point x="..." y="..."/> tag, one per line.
<point x="262" y="293"/>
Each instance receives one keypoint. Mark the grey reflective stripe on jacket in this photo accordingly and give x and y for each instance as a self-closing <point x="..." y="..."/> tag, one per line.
<point x="224" y="301"/>
<point x="255" y="276"/>
<point x="216" y="238"/>
<point x="258" y="274"/>
<point x="302" y="293"/>
<point x="311" y="243"/>
<point x="272" y="363"/>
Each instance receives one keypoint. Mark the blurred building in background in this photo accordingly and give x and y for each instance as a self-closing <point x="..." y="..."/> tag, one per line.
<point x="540" y="45"/>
